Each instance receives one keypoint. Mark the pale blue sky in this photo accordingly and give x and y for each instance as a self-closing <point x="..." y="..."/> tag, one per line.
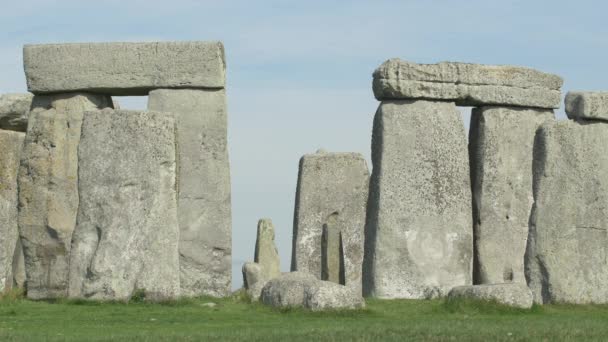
<point x="299" y="72"/>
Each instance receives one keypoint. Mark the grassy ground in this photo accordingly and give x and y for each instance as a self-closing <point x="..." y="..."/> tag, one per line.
<point x="233" y="319"/>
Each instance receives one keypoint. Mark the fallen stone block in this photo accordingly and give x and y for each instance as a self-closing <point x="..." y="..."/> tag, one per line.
<point x="126" y="237"/>
<point x="587" y="105"/>
<point x="511" y="294"/>
<point x="567" y="247"/>
<point x="332" y="193"/>
<point x="48" y="188"/>
<point x="123" y="68"/>
<point x="419" y="241"/>
<point x="501" y="142"/>
<point x="11" y="144"/>
<point x="14" y="109"/>
<point x="467" y="84"/>
<point x="299" y="289"/>
<point x="204" y="205"/>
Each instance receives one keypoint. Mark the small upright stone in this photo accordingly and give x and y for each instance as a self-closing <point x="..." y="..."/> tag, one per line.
<point x="587" y="105"/>
<point x="266" y="253"/>
<point x="48" y="188"/>
<point x="254" y="279"/>
<point x="332" y="192"/>
<point x="11" y="144"/>
<point x="501" y="141"/>
<point x="419" y="240"/>
<point x="14" y="110"/>
<point x="126" y="238"/>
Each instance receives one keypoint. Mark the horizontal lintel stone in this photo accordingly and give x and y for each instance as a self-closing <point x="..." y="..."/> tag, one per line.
<point x="587" y="105"/>
<point x="123" y="69"/>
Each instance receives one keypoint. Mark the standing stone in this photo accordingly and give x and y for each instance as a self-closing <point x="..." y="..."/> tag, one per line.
<point x="566" y="256"/>
<point x="266" y="253"/>
<point x="332" y="189"/>
<point x="254" y="279"/>
<point x="418" y="236"/>
<point x="204" y="208"/>
<point x="501" y="141"/>
<point x="126" y="237"/>
<point x="48" y="188"/>
<point x="14" y="110"/>
<point x="11" y="143"/>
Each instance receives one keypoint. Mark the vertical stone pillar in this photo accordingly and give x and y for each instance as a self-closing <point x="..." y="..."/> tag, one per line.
<point x="126" y="237"/>
<point x="204" y="207"/>
<point x="48" y="188"/>
<point x="418" y="236"/>
<point x="11" y="143"/>
<point x="501" y="142"/>
<point x="332" y="190"/>
<point x="266" y="253"/>
<point x="332" y="256"/>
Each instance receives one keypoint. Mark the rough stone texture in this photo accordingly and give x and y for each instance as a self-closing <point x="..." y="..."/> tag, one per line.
<point x="48" y="188"/>
<point x="332" y="188"/>
<point x="567" y="245"/>
<point x="511" y="294"/>
<point x="14" y="109"/>
<point x="204" y="205"/>
<point x="418" y="236"/>
<point x="18" y="267"/>
<point x="254" y="279"/>
<point x="467" y="84"/>
<point x="587" y="105"/>
<point x="332" y="254"/>
<point x="300" y="289"/>
<point x="266" y="253"/>
<point x="11" y="143"/>
<point x="501" y="141"/>
<point x="123" y="68"/>
<point x="126" y="237"/>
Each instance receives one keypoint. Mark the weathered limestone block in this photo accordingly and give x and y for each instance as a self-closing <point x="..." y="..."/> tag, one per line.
<point x="332" y="192"/>
<point x="204" y="205"/>
<point x="418" y="235"/>
<point x="11" y="144"/>
<point x="126" y="237"/>
<point x="511" y="294"/>
<point x="587" y="105"/>
<point x="254" y="278"/>
<point x="14" y="109"/>
<point x="266" y="253"/>
<point x="123" y="68"/>
<point x="48" y="188"/>
<point x="467" y="84"/>
<point x="501" y="141"/>
<point x="567" y="245"/>
<point x="301" y="289"/>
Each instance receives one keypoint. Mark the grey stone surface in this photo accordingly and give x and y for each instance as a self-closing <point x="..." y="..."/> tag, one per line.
<point x="48" y="188"/>
<point x="14" y="109"/>
<point x="266" y="253"/>
<point x="18" y="275"/>
<point x="127" y="232"/>
<point x="501" y="141"/>
<point x="300" y="289"/>
<point x="511" y="294"/>
<point x="467" y="84"/>
<point x="587" y="105"/>
<point x="254" y="279"/>
<point x="332" y="189"/>
<point x="418" y="240"/>
<point x="123" y="68"/>
<point x="11" y="144"/>
<point x="332" y="254"/>
<point x="567" y="245"/>
<point x="204" y="206"/>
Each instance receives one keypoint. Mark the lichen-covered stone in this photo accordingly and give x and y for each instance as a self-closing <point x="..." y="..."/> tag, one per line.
<point x="332" y="192"/>
<point x="11" y="144"/>
<point x="511" y="294"/>
<point x="568" y="243"/>
<point x="266" y="253"/>
<point x="419" y="232"/>
<point x="126" y="237"/>
<point x="123" y="69"/>
<point x="204" y="205"/>
<point x="501" y="141"/>
<point x="48" y="188"/>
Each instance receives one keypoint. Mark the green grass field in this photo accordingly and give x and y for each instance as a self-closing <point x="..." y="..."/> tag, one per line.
<point x="234" y="319"/>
